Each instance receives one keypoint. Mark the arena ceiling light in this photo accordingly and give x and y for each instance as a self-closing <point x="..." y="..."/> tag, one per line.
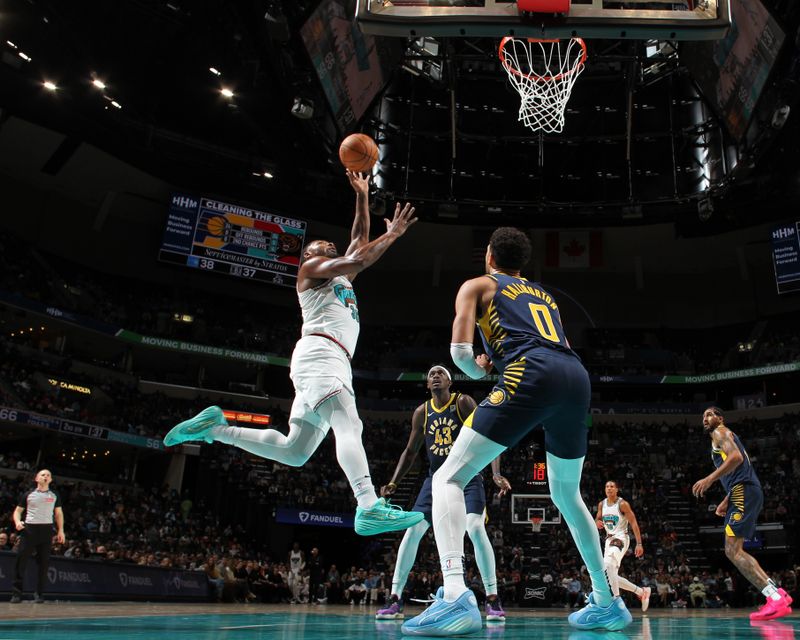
<point x="50" y="86"/>
<point x="11" y="44"/>
<point x="24" y="56"/>
<point x="97" y="82"/>
<point x="227" y="93"/>
<point x="215" y="71"/>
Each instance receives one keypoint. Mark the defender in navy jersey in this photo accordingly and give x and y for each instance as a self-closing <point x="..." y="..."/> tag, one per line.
<point x="542" y="381"/>
<point x="436" y="424"/>
<point x="740" y="508"/>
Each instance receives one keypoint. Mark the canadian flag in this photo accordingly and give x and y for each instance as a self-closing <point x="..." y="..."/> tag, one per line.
<point x="573" y="249"/>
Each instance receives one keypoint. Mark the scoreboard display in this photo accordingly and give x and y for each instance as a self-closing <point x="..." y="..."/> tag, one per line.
<point x="208" y="234"/>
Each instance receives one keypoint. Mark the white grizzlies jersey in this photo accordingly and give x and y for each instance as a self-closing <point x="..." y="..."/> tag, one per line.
<point x="615" y="523"/>
<point x="331" y="309"/>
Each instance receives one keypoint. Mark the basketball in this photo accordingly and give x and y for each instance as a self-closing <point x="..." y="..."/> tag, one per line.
<point x="358" y="152"/>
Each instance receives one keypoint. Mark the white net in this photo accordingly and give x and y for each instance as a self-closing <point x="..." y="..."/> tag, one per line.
<point x="536" y="524"/>
<point x="543" y="72"/>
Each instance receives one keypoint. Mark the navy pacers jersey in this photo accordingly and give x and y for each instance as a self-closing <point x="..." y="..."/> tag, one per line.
<point x="743" y="474"/>
<point x="441" y="429"/>
<point x="520" y="317"/>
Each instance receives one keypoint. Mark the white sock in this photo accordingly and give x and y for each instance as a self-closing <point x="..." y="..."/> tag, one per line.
<point x="771" y="591"/>
<point x="471" y="452"/>
<point x="484" y="552"/>
<point x="565" y="477"/>
<point x="628" y="586"/>
<point x="406" y="555"/>
<point x="340" y="413"/>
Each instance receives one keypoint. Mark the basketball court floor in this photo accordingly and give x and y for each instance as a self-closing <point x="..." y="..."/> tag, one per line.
<point x="129" y="621"/>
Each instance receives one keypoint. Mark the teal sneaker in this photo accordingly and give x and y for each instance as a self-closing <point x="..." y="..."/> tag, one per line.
<point x="447" y="618"/>
<point x="382" y="518"/>
<point x="196" y="428"/>
<point x="614" y="617"/>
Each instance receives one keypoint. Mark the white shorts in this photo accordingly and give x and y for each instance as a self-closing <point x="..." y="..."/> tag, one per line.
<point x="614" y="553"/>
<point x="319" y="370"/>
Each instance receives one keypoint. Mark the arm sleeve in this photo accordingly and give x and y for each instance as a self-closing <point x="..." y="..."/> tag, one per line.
<point x="22" y="501"/>
<point x="462" y="355"/>
<point x="58" y="500"/>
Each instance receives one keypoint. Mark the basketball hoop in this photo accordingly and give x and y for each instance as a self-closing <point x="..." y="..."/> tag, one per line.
<point x="536" y="524"/>
<point x="543" y="72"/>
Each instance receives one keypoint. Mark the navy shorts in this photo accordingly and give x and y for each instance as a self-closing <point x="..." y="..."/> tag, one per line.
<point x="546" y="387"/>
<point x="474" y="495"/>
<point x="745" y="502"/>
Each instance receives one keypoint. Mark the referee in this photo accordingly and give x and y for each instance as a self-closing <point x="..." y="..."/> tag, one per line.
<point x="41" y="506"/>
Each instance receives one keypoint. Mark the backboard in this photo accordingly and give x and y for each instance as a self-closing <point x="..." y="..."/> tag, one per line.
<point x="632" y="19"/>
<point x="525" y="506"/>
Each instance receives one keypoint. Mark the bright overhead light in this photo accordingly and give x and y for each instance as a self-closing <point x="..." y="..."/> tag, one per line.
<point x="268" y="175"/>
<point x="11" y="44"/>
<point x="49" y="85"/>
<point x="215" y="71"/>
<point x="226" y="92"/>
<point x="24" y="56"/>
<point x="116" y="104"/>
<point x="99" y="83"/>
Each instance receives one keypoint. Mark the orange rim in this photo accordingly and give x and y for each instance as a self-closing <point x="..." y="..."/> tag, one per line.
<point x="534" y="77"/>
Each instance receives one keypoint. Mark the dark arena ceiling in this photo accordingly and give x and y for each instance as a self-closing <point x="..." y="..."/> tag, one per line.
<point x="642" y="142"/>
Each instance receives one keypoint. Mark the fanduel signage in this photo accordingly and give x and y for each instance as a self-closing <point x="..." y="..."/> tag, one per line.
<point x="314" y="518"/>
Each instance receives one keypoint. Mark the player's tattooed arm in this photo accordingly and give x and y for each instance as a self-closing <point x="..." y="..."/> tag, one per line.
<point x="627" y="511"/>
<point x="722" y="438"/>
<point x="409" y="455"/>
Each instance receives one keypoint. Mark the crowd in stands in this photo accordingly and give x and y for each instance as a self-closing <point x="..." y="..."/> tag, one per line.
<point x="159" y="310"/>
<point x="157" y="527"/>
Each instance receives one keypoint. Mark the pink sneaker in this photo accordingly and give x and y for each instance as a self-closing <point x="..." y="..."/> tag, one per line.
<point x="393" y="612"/>
<point x="786" y="596"/>
<point x="773" y="609"/>
<point x="645" y="598"/>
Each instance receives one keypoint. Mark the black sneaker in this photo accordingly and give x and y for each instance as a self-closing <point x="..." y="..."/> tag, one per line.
<point x="16" y="598"/>
<point x="37" y="598"/>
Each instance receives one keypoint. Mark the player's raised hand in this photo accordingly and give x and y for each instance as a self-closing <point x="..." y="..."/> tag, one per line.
<point x="359" y="182"/>
<point x="484" y="363"/>
<point x="402" y="220"/>
<point x="639" y="551"/>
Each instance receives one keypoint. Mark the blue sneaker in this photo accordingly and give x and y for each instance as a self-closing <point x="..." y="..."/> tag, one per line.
<point x="384" y="517"/>
<point x="614" y="617"/>
<point x="447" y="618"/>
<point x="196" y="428"/>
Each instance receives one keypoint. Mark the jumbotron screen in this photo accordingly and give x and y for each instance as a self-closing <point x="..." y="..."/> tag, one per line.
<point x="208" y="234"/>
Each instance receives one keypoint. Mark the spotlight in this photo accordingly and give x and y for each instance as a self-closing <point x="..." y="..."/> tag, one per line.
<point x="116" y="104"/>
<point x="303" y="108"/>
<point x="215" y="71"/>
<point x="24" y="56"/>
<point x="226" y="92"/>
<point x="49" y="85"/>
<point x="99" y="83"/>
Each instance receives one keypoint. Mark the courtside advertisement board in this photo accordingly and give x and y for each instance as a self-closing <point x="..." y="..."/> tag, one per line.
<point x="212" y="235"/>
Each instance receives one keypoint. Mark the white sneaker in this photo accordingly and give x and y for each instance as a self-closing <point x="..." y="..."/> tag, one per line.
<point x="645" y="598"/>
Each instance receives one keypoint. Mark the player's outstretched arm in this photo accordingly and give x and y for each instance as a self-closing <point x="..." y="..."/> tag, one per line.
<point x="322" y="268"/>
<point x="722" y="438"/>
<point x="359" y="234"/>
<point x="409" y="455"/>
<point x="627" y="511"/>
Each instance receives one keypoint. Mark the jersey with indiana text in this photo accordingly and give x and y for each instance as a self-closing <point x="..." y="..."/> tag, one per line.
<point x="614" y="521"/>
<point x="441" y="429"/>
<point x="520" y="317"/>
<point x="743" y="474"/>
<point x="331" y="309"/>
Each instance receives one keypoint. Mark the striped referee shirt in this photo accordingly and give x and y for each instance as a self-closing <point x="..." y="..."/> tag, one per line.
<point x="39" y="506"/>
